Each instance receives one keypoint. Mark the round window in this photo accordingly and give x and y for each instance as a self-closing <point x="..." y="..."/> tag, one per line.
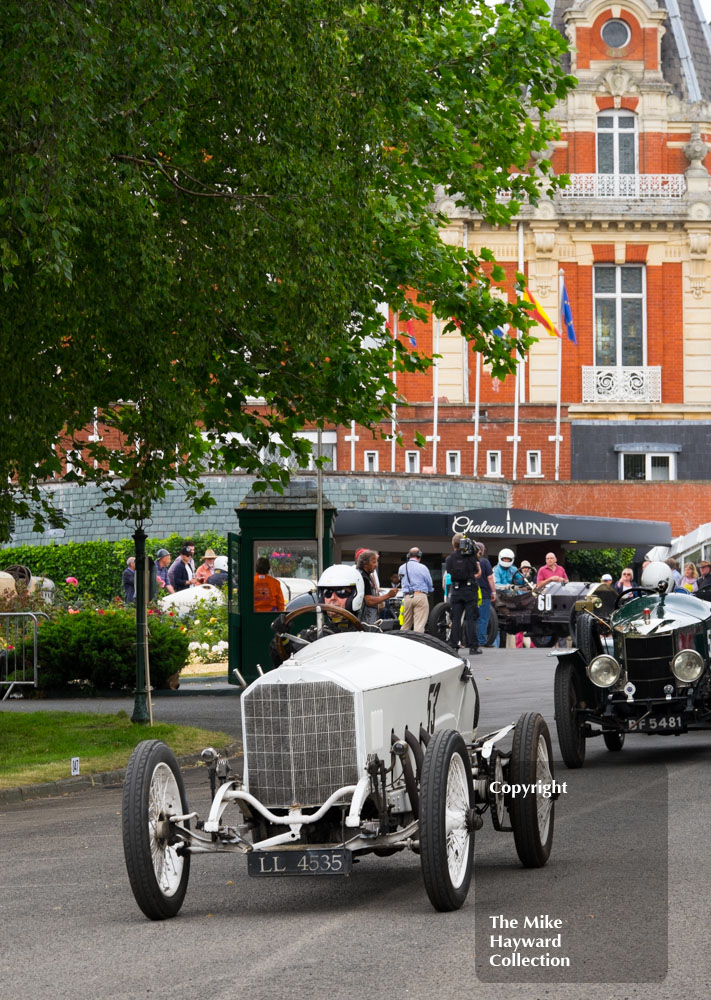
<point x="615" y="33"/>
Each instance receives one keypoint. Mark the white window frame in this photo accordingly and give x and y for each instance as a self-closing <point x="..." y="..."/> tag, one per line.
<point x="367" y="456"/>
<point x="493" y="465"/>
<point x="534" y="466"/>
<point x="619" y="296"/>
<point x="616" y="131"/>
<point x="414" y="458"/>
<point x="648" y="456"/>
<point x="453" y="458"/>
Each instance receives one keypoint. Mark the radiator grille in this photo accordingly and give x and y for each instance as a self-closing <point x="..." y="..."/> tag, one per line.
<point x="649" y="664"/>
<point x="300" y="742"/>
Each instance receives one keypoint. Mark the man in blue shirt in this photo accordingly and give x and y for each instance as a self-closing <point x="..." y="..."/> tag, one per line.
<point x="487" y="587"/>
<point x="416" y="585"/>
<point x="505" y="571"/>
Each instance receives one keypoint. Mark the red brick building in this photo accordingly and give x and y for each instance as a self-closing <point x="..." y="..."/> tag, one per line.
<point x="631" y="236"/>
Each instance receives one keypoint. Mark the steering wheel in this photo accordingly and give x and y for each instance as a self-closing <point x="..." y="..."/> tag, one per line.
<point x="632" y="593"/>
<point x="328" y="609"/>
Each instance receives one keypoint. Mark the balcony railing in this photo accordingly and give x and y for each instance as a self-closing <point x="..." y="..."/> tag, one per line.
<point x="625" y="186"/>
<point x="624" y="384"/>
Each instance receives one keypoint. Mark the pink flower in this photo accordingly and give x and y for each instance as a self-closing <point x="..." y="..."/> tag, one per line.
<point x="100" y="611"/>
<point x="71" y="611"/>
<point x="73" y="580"/>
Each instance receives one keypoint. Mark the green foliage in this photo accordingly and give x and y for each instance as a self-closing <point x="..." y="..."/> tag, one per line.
<point x="206" y="629"/>
<point x="205" y="203"/>
<point x="97" y="649"/>
<point x="590" y="564"/>
<point x="98" y="566"/>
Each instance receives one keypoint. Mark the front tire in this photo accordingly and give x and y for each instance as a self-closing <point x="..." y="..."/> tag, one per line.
<point x="613" y="741"/>
<point x="587" y="637"/>
<point x="567" y="694"/>
<point x="446" y="832"/>
<point x="532" y="815"/>
<point x="152" y="792"/>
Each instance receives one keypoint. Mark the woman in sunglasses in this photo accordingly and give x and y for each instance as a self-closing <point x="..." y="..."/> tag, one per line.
<point x="626" y="581"/>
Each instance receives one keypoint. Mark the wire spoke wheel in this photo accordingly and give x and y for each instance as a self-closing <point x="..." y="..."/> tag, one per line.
<point x="446" y="833"/>
<point x="158" y="868"/>
<point x="533" y="813"/>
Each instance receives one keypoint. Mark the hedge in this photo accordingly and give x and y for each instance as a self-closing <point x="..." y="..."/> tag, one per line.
<point x="97" y="650"/>
<point x="98" y="566"/>
<point x="590" y="564"/>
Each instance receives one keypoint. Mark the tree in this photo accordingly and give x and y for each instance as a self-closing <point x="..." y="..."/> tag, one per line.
<point x="204" y="204"/>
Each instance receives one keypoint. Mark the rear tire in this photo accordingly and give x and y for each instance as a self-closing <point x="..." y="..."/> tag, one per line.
<point x="567" y="694"/>
<point x="543" y="641"/>
<point x="492" y="629"/>
<point x="532" y="815"/>
<point x="446" y="839"/>
<point x="439" y="622"/>
<point x="153" y="791"/>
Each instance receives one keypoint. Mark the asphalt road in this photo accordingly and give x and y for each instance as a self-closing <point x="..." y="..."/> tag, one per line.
<point x="72" y="929"/>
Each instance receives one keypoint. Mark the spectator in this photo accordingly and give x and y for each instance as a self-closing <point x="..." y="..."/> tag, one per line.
<point x="219" y="577"/>
<point x="187" y="544"/>
<point x="268" y="594"/>
<point x="526" y="571"/>
<point x="129" y="581"/>
<point x="626" y="581"/>
<point x="183" y="573"/>
<point x="162" y="563"/>
<point x="367" y="566"/>
<point x="487" y="588"/>
<point x="704" y="579"/>
<point x="689" y="578"/>
<point x="551" y="572"/>
<point x="416" y="585"/>
<point x="674" y="567"/>
<point x="205" y="569"/>
<point x="606" y="579"/>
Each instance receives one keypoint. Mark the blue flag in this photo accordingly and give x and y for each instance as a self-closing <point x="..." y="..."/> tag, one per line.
<point x="567" y="316"/>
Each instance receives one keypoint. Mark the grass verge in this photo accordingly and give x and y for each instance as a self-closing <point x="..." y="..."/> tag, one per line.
<point x="38" y="746"/>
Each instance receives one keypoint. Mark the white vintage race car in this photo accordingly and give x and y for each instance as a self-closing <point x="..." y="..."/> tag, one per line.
<point x="360" y="743"/>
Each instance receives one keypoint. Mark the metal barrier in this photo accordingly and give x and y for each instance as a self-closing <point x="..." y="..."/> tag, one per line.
<point x="18" y="648"/>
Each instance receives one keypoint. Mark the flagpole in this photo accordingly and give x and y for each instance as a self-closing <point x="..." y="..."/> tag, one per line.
<point x="561" y="278"/>
<point x="477" y="388"/>
<point x="435" y="390"/>
<point x="393" y="412"/>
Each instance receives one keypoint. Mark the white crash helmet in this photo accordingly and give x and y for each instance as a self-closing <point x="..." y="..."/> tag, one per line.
<point x="506" y="555"/>
<point x="342" y="576"/>
<point x="656" y="573"/>
<point x="220" y="564"/>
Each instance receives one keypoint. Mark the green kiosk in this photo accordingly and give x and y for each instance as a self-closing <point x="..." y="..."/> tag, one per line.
<point x="285" y="530"/>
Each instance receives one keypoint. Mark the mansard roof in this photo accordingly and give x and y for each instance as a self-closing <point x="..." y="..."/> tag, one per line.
<point x="686" y="44"/>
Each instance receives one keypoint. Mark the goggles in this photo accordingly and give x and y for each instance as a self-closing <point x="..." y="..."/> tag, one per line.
<point x="505" y="562"/>
<point x="337" y="592"/>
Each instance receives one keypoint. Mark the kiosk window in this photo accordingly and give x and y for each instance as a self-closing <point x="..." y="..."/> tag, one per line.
<point x="292" y="566"/>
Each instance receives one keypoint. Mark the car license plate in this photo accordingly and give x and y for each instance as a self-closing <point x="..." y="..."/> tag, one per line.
<point x="657" y="724"/>
<point x="308" y="862"/>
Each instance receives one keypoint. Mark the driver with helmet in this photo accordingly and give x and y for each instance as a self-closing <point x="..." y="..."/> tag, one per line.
<point x="506" y="573"/>
<point x="339" y="586"/>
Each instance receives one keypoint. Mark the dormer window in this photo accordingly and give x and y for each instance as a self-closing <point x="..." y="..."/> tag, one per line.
<point x="616" y="33"/>
<point x="616" y="142"/>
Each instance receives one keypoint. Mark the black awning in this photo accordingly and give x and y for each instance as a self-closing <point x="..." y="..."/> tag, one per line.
<point x="502" y="523"/>
<point x="516" y="524"/>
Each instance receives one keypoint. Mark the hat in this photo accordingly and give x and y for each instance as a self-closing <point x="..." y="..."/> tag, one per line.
<point x="209" y="554"/>
<point x="606" y="578"/>
<point x="526" y="564"/>
<point x="359" y="553"/>
<point x="162" y="552"/>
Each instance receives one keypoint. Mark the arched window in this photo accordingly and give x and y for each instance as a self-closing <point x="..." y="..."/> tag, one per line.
<point x="616" y="142"/>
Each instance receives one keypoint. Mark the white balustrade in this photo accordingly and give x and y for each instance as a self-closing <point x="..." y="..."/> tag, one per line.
<point x="623" y="384"/>
<point x="625" y="186"/>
